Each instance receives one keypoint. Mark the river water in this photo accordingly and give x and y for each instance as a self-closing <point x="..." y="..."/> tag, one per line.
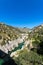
<point x="1" y="61"/>
<point x="17" y="48"/>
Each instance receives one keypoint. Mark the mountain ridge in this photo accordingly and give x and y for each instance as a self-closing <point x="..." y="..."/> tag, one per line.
<point x="8" y="32"/>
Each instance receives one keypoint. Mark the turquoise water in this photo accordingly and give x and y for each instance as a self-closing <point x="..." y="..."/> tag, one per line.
<point x="17" y="48"/>
<point x="1" y="61"/>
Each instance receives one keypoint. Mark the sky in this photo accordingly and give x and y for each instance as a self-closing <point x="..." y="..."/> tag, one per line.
<point x="21" y="13"/>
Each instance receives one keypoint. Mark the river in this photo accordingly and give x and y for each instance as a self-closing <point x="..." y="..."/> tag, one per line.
<point x="17" y="48"/>
<point x="1" y="61"/>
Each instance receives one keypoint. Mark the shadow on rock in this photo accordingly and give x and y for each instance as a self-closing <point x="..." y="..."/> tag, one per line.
<point x="7" y="59"/>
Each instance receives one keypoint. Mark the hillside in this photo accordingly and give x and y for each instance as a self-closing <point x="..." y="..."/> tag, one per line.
<point x="37" y="31"/>
<point x="35" y="55"/>
<point x="8" y="33"/>
<point x="26" y="55"/>
<point x="37" y="38"/>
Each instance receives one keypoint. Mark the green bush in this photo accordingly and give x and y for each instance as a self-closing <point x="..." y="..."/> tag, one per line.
<point x="28" y="58"/>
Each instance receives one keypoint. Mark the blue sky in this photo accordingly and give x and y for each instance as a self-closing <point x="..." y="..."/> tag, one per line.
<point x="21" y="13"/>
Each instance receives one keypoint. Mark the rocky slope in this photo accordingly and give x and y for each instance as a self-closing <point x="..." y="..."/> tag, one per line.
<point x="37" y="31"/>
<point x="8" y="33"/>
<point x="25" y="30"/>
